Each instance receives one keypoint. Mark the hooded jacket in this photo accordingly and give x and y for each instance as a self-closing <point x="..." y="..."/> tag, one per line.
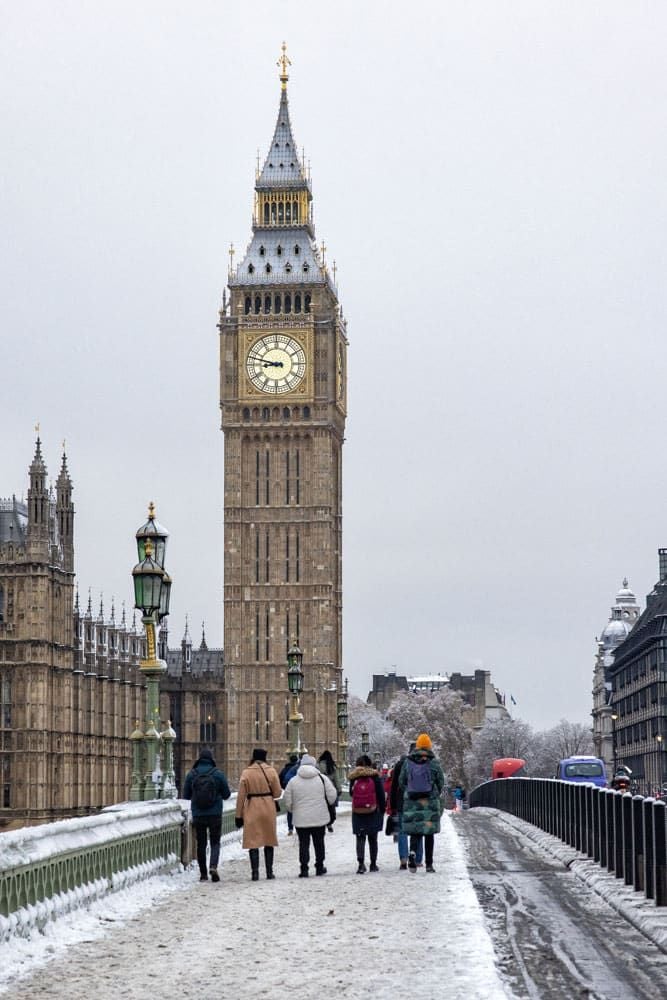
<point x="307" y="794"/>
<point x="206" y="765"/>
<point x="372" y="823"/>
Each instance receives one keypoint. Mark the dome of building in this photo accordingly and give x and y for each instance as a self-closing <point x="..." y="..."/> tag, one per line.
<point x="615" y="632"/>
<point x="625" y="595"/>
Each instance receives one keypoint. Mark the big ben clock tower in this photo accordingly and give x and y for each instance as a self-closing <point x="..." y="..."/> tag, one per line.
<point x="283" y="351"/>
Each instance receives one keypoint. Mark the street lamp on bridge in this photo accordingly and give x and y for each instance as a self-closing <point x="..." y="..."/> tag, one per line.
<point x="152" y="776"/>
<point x="295" y="684"/>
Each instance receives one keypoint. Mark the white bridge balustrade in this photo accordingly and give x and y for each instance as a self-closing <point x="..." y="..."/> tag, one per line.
<point x="51" y="869"/>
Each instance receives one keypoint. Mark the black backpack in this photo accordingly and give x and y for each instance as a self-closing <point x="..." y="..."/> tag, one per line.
<point x="204" y="790"/>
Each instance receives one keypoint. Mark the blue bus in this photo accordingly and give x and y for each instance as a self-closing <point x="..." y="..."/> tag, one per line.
<point x="590" y="769"/>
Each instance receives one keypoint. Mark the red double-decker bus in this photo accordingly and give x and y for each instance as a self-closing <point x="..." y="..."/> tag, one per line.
<point x="508" y="767"/>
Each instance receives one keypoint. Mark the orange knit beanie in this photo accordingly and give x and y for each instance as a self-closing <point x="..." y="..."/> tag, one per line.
<point x="423" y="742"/>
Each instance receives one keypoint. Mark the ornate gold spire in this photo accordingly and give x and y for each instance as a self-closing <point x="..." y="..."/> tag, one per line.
<point x="284" y="62"/>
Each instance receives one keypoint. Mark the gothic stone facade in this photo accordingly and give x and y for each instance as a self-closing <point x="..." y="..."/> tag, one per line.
<point x="283" y="347"/>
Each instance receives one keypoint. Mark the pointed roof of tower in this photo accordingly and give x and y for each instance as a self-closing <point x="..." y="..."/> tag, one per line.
<point x="282" y="166"/>
<point x="186" y="640"/>
<point x="64" y="476"/>
<point x="203" y="644"/>
<point x="89" y="609"/>
<point x="37" y="464"/>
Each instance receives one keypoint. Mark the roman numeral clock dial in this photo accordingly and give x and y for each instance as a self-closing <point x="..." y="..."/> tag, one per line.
<point x="276" y="364"/>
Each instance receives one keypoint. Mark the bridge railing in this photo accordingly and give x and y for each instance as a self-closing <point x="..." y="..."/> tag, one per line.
<point x="624" y="833"/>
<point x="54" y="868"/>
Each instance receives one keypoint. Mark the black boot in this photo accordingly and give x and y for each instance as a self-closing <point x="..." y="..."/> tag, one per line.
<point x="254" y="862"/>
<point x="268" y="861"/>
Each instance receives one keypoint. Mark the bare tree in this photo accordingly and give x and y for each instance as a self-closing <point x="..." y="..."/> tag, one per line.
<point x="386" y="743"/>
<point x="445" y="717"/>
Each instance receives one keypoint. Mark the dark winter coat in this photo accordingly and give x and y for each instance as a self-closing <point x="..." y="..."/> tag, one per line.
<point x="422" y="815"/>
<point x="287" y="772"/>
<point x="372" y="822"/>
<point x="206" y="765"/>
<point x="396" y="792"/>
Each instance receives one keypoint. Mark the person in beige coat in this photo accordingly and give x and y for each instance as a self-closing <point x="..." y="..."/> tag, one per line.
<point x="259" y="789"/>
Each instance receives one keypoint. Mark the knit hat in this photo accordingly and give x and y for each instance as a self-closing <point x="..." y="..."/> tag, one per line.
<point x="423" y="742"/>
<point x="258" y="754"/>
<point x="307" y="759"/>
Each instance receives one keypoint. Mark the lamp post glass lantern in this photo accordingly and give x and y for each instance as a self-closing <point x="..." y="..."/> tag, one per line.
<point x="341" y="714"/>
<point x="365" y="742"/>
<point x="152" y="776"/>
<point x="295" y="685"/>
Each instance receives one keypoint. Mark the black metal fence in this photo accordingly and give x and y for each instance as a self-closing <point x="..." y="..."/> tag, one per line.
<point x="624" y="833"/>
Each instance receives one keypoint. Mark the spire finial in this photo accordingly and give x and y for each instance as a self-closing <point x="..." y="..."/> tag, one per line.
<point x="151" y="511"/>
<point x="625" y="582"/>
<point x="284" y="62"/>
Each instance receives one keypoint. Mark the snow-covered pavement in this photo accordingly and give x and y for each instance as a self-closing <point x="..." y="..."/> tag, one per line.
<point x="385" y="935"/>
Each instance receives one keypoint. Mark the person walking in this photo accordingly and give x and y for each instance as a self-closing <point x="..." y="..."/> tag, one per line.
<point x="396" y="796"/>
<point x="308" y="796"/>
<point x="368" y="802"/>
<point x="288" y="772"/>
<point x="422" y="781"/>
<point x="206" y="787"/>
<point x="259" y="790"/>
<point x="459" y="794"/>
<point x="327" y="765"/>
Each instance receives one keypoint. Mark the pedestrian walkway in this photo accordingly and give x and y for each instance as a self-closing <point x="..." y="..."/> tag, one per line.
<point x="388" y="934"/>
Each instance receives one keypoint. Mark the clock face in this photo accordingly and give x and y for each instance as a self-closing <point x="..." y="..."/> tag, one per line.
<point x="276" y="363"/>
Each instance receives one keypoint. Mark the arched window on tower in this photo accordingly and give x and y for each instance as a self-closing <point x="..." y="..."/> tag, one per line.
<point x="297" y="302"/>
<point x="266" y="413"/>
<point x="288" y="212"/>
<point x="266" y="213"/>
<point x="295" y="211"/>
<point x="277" y="304"/>
<point x="306" y="413"/>
<point x="288" y="303"/>
<point x="307" y="304"/>
<point x="281" y="212"/>
<point x="267" y="303"/>
<point x="273" y="212"/>
<point x="246" y="413"/>
<point x="248" y="304"/>
<point x="286" y="413"/>
<point x="2" y="605"/>
<point x="258" y="304"/>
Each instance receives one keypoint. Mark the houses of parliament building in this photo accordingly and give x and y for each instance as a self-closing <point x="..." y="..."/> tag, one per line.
<point x="71" y="688"/>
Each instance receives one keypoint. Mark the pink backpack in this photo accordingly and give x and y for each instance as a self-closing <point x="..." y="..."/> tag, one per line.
<point x="364" y="799"/>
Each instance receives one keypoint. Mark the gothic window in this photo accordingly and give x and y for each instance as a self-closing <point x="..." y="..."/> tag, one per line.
<point x="266" y="636"/>
<point x="297" y="302"/>
<point x="295" y="211"/>
<point x="297" y="251"/>
<point x="279" y="250"/>
<point x="286" y="413"/>
<point x="306" y="413"/>
<point x="287" y="560"/>
<point x="288" y="212"/>
<point x="273" y="212"/>
<point x="262" y="251"/>
<point x="278" y="304"/>
<point x="256" y="556"/>
<point x="246" y="413"/>
<point x="287" y="481"/>
<point x="266" y="213"/>
<point x="306" y="266"/>
<point x="207" y="726"/>
<point x="258" y="304"/>
<point x="5" y="701"/>
<point x="257" y="460"/>
<point x="267" y="461"/>
<point x="266" y="413"/>
<point x="267" y="719"/>
<point x="288" y="303"/>
<point x="281" y="212"/>
<point x="306" y="307"/>
<point x="2" y="605"/>
<point x="248" y="304"/>
<point x="288" y="267"/>
<point x="257" y="634"/>
<point x="5" y="780"/>
<point x="297" y="557"/>
<point x="266" y="558"/>
<point x="257" y="718"/>
<point x="268" y="271"/>
<point x="251" y="268"/>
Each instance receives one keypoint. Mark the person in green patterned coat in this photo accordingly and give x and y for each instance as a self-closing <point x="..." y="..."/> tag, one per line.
<point x="422" y="781"/>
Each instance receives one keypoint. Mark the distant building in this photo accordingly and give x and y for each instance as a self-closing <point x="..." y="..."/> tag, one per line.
<point x="479" y="694"/>
<point x="638" y="676"/>
<point x="622" y="619"/>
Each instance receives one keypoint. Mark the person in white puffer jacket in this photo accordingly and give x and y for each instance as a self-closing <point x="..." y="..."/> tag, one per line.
<point x="308" y="796"/>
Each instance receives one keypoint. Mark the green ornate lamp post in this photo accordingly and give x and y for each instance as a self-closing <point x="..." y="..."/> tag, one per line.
<point x="365" y="742"/>
<point x="342" y="735"/>
<point x="295" y="684"/>
<point x="152" y="590"/>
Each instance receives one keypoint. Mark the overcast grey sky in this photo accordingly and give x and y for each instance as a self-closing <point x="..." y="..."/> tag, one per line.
<point x="490" y="179"/>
